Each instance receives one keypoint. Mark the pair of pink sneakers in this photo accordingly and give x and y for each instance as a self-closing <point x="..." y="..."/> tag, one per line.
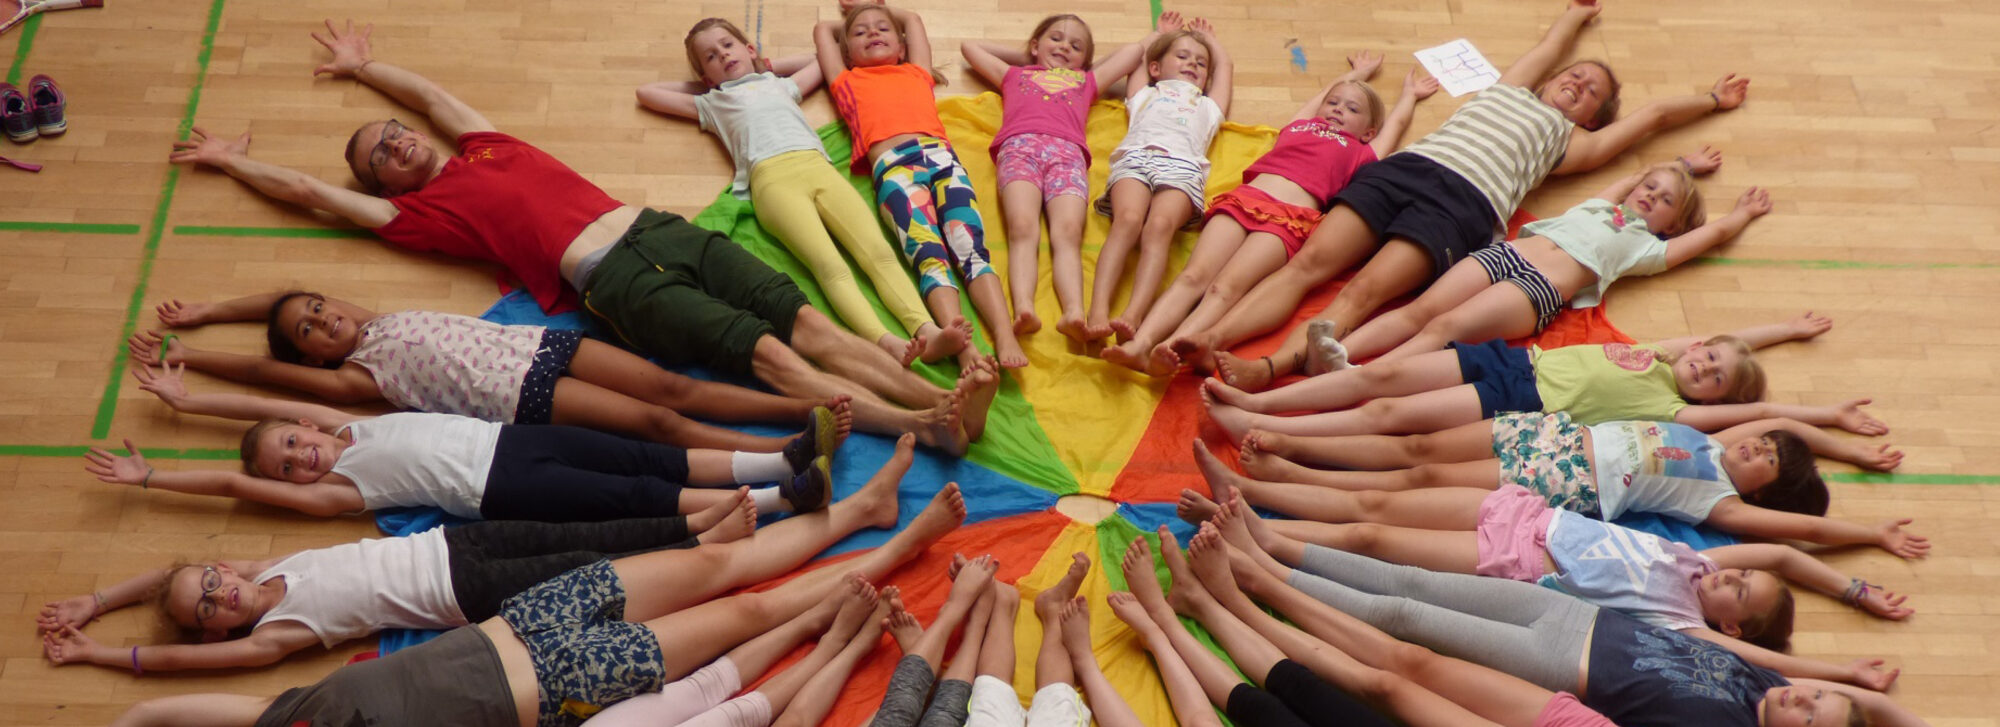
<point x="33" y="114"/>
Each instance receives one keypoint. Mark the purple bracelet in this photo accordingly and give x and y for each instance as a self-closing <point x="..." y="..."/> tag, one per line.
<point x="136" y="671"/>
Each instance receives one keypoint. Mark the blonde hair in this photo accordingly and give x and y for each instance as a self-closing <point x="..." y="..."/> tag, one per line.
<point x="1089" y="38"/>
<point x="1375" y="108"/>
<point x="253" y="441"/>
<point x="1693" y="212"/>
<point x="757" y="64"/>
<point x="1159" y="49"/>
<point x="902" y="35"/>
<point x="1746" y="382"/>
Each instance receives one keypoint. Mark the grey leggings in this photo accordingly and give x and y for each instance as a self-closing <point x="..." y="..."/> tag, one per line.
<point x="903" y="700"/>
<point x="1519" y="628"/>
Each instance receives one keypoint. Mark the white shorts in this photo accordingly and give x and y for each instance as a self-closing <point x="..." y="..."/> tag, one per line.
<point x="1158" y="171"/>
<point x="993" y="704"/>
<point x="1058" y="705"/>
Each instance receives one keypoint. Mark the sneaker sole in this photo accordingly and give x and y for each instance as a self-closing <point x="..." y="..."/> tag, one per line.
<point x="56" y="129"/>
<point x="23" y="138"/>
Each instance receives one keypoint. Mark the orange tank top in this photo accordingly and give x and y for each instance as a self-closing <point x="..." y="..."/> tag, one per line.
<point x="879" y="102"/>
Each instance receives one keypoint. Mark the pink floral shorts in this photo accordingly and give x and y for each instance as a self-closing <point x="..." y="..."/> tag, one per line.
<point x="1055" y="166"/>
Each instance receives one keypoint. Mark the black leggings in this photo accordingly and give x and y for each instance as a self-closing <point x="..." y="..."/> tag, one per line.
<point x="1299" y="698"/>
<point x="558" y="474"/>
<point x="494" y="559"/>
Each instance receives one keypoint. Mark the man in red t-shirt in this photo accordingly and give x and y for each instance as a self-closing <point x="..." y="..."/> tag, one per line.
<point x="670" y="289"/>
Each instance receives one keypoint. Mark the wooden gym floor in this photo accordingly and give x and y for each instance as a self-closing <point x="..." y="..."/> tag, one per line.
<point x="1872" y="124"/>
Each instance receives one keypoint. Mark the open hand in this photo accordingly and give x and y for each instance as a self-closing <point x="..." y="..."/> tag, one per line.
<point x="67" y="646"/>
<point x="1170" y="22"/>
<point x="1702" y="162"/>
<point x="74" y="611"/>
<point x="1419" y="85"/>
<point x="165" y="382"/>
<point x="1589" y="8"/>
<point x="1365" y="63"/>
<point x="350" y="49"/>
<point x="214" y="151"/>
<point x="1893" y="538"/>
<point x="130" y="469"/>
<point x="1809" y="325"/>
<point x="1879" y="457"/>
<point x="1868" y="673"/>
<point x="152" y="347"/>
<point x="1756" y="201"/>
<point x="175" y="314"/>
<point x="1850" y="417"/>
<point x="1730" y="90"/>
<point x="1886" y="604"/>
<point x="1201" y="28"/>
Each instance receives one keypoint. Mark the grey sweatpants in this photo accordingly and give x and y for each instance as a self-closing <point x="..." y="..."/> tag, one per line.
<point x="1519" y="628"/>
<point x="903" y="700"/>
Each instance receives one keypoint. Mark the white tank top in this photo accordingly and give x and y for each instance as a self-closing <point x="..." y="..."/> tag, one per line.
<point x="353" y="590"/>
<point x="407" y="459"/>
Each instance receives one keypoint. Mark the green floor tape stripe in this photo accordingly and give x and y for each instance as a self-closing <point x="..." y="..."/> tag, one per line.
<point x="32" y="450"/>
<point x="108" y="405"/>
<point x="28" y="28"/>
<point x="297" y="232"/>
<point x="84" y="228"/>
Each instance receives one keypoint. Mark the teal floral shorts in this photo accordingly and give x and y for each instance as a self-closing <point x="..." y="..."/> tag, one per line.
<point x="1545" y="453"/>
<point x="586" y="657"/>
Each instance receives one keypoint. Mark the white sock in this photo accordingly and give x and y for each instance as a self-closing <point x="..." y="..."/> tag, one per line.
<point x="767" y="499"/>
<point x="749" y="468"/>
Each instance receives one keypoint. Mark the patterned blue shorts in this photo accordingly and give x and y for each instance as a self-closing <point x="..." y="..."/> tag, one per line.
<point x="586" y="656"/>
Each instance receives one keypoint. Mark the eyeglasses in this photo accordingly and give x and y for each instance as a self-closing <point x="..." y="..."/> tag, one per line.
<point x="381" y="153"/>
<point x="204" y="609"/>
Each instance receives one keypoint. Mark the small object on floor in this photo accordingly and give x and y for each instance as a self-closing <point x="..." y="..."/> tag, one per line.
<point x="17" y="117"/>
<point x="25" y="8"/>
<point x="49" y="105"/>
<point x="1298" y="54"/>
<point x="21" y="165"/>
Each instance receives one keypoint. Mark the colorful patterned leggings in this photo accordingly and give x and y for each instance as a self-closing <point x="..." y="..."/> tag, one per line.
<point x="924" y="195"/>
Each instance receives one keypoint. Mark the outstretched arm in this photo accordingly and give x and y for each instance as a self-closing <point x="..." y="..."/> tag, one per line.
<point x="75" y="611"/>
<point x="174" y="313"/>
<point x="167" y="384"/>
<point x="1755" y="203"/>
<point x="1804" y="327"/>
<point x="1861" y="672"/>
<point x="349" y="384"/>
<point x="1141" y="77"/>
<point x="1846" y="415"/>
<point x="1221" y="70"/>
<point x="1535" y="64"/>
<point x="232" y="157"/>
<point x="1737" y="516"/>
<point x="352" y="59"/>
<point x="262" y="647"/>
<point x="1813" y="573"/>
<point x="318" y="499"/>
<point x="673" y="98"/>
<point x="1591" y="149"/>
<point x="1875" y="457"/>
<point x="1391" y="134"/>
<point x="1881" y="710"/>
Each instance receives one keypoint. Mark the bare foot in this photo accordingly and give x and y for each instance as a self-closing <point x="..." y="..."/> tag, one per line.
<point x="904" y="350"/>
<point x="945" y="513"/>
<point x="1228" y="394"/>
<point x="1324" y="353"/>
<point x="947" y="341"/>
<point x="1198" y="350"/>
<point x="1125" y="354"/>
<point x="1128" y="609"/>
<point x="1218" y="475"/>
<point x="842" y="406"/>
<point x="1209" y="558"/>
<point x="1049" y="603"/>
<point x="1096" y="327"/>
<point x="1164" y="361"/>
<point x="1124" y="328"/>
<point x="1025" y="321"/>
<point x="857" y="600"/>
<point x="1140" y="576"/>
<point x="1233" y="421"/>
<point x="1246" y="374"/>
<point x="731" y="519"/>
<point x="973" y="579"/>
<point x="1244" y="530"/>
<point x="943" y="426"/>
<point x="1262" y="455"/>
<point x="977" y="386"/>
<point x="1073" y="327"/>
<point x="1183" y="591"/>
<point x="878" y="619"/>
<point x="1007" y="349"/>
<point x="1195" y="507"/>
<point x="903" y="627"/>
<point x="1076" y="627"/>
<point x="877" y="498"/>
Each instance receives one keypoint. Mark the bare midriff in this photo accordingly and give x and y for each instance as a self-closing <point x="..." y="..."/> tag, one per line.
<point x="597" y="235"/>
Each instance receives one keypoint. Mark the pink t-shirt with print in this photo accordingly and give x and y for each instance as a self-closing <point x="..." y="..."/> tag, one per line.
<point x="448" y="364"/>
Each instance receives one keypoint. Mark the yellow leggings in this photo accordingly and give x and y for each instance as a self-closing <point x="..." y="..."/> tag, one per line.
<point x="800" y="198"/>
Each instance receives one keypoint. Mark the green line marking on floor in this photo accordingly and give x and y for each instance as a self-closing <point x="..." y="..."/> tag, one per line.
<point x="33" y="450"/>
<point x="81" y="228"/>
<point x="1839" y="264"/>
<point x="332" y="233"/>
<point x="1156" y="11"/>
<point x="1886" y="478"/>
<point x="108" y="405"/>
<point x="28" y="28"/>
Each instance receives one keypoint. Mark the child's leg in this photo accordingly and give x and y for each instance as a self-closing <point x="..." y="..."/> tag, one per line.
<point x="1130" y="200"/>
<point x="786" y="204"/>
<point x="1429" y="411"/>
<point x="1066" y="214"/>
<point x="954" y="686"/>
<point x="1021" y="211"/>
<point x="667" y="581"/>
<point x="663" y="394"/>
<point x="1262" y="254"/>
<point x="1340" y="241"/>
<point x="1184" y="690"/>
<point x="1110" y="707"/>
<point x="1399" y="267"/>
<point x="810" y="705"/>
<point x="1220" y="238"/>
<point x="845" y="214"/>
<point x="1342" y="389"/>
<point x="1217" y="679"/>
<point x="1462" y="443"/>
<point x="965" y="236"/>
<point x="1052" y="663"/>
<point x="1498" y="312"/>
<point x="757" y="708"/>
<point x="1169" y="210"/>
<point x="1446" y="507"/>
<point x="903" y="703"/>
<point x="1461" y="283"/>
